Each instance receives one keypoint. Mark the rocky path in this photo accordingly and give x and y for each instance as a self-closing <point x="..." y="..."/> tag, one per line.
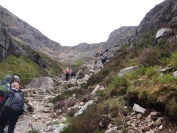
<point x="42" y="118"/>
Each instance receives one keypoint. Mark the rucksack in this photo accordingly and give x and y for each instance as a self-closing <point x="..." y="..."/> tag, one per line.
<point x="15" y="101"/>
<point x="6" y="82"/>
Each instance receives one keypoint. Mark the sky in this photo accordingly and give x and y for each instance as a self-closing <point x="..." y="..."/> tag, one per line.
<point x="70" y="22"/>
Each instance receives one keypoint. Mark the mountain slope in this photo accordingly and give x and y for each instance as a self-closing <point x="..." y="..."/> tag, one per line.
<point x="23" y="32"/>
<point x="152" y="84"/>
<point x="29" y="35"/>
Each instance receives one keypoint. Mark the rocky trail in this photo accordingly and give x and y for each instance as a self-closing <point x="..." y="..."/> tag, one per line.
<point x="42" y="116"/>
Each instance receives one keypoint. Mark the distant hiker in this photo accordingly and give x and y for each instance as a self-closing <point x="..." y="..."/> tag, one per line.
<point x="103" y="60"/>
<point x="72" y="73"/>
<point x="66" y="71"/>
<point x="106" y="50"/>
<point x="101" y="53"/>
<point x="11" y="107"/>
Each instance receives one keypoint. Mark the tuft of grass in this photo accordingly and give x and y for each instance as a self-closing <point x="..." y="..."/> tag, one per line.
<point x="167" y="78"/>
<point x="69" y="129"/>
<point x="97" y="78"/>
<point x="173" y="60"/>
<point x="32" y="131"/>
<point x="151" y="71"/>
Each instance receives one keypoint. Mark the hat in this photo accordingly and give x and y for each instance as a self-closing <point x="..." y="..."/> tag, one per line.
<point x="16" y="77"/>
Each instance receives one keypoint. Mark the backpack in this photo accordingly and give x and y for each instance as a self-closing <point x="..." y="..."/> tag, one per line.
<point x="6" y="82"/>
<point x="15" y="101"/>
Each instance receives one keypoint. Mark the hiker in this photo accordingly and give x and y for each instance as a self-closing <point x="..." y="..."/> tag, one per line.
<point x="5" y="85"/>
<point x="66" y="71"/>
<point x="6" y="82"/>
<point x="101" y="52"/>
<point x="103" y="60"/>
<point x="11" y="108"/>
<point x="72" y="73"/>
<point x="17" y="80"/>
<point x="106" y="50"/>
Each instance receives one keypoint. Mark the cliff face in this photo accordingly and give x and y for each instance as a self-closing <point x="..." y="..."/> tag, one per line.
<point x="162" y="15"/>
<point x="118" y="35"/>
<point x="82" y="51"/>
<point x="10" y="47"/>
<point x="26" y="33"/>
<point x="7" y="46"/>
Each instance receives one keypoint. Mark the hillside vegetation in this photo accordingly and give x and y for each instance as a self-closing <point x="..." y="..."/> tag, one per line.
<point x="26" y="66"/>
<point x="145" y="85"/>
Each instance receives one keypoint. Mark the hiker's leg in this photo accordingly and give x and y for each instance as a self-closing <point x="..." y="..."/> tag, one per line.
<point x="3" y="120"/>
<point x="13" y="118"/>
<point x="67" y="76"/>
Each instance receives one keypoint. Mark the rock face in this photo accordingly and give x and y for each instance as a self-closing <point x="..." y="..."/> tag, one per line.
<point x="7" y="46"/>
<point x="83" y="51"/>
<point x="26" y="33"/>
<point x="121" y="34"/>
<point x="161" y="15"/>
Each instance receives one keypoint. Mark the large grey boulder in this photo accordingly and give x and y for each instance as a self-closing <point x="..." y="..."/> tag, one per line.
<point x="44" y="83"/>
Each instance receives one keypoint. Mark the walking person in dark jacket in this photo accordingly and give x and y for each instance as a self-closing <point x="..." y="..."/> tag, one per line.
<point x="6" y="113"/>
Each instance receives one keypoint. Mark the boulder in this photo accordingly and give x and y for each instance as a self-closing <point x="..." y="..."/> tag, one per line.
<point x="126" y="70"/>
<point x="139" y="109"/>
<point x="162" y="32"/>
<point x="44" y="83"/>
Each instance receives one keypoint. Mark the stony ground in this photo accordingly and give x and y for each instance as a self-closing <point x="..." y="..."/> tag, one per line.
<point x="43" y="113"/>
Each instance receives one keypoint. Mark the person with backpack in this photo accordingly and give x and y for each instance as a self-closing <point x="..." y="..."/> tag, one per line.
<point x="11" y="108"/>
<point x="103" y="60"/>
<point x="5" y="84"/>
<point x="106" y="50"/>
<point x="17" y="80"/>
<point x="72" y="73"/>
<point x="67" y="72"/>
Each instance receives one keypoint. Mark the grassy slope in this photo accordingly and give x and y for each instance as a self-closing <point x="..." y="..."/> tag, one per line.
<point x="24" y="67"/>
<point x="144" y="86"/>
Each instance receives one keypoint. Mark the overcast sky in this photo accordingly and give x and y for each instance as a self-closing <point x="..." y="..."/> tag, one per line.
<point x="70" y="22"/>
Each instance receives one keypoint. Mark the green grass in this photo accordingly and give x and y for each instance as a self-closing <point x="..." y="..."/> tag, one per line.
<point x="54" y="66"/>
<point x="24" y="67"/>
